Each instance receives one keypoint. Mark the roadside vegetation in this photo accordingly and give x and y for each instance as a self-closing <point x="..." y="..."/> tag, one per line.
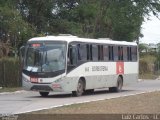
<point x="10" y="89"/>
<point x="149" y="62"/>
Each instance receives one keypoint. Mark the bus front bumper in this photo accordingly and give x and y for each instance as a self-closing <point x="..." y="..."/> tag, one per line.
<point x="54" y="87"/>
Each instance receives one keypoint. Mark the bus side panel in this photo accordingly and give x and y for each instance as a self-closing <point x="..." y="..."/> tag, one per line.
<point x="70" y="83"/>
<point x="130" y="73"/>
<point x="96" y="74"/>
<point x="100" y="75"/>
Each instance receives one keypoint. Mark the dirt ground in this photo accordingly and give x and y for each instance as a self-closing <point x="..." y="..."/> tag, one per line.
<point x="148" y="103"/>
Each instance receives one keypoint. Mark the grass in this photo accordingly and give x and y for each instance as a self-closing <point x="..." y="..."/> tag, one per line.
<point x="149" y="76"/>
<point x="148" y="58"/>
<point x="5" y="89"/>
<point x="147" y="69"/>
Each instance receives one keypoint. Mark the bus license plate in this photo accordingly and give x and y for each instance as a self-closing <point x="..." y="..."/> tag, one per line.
<point x="34" y="80"/>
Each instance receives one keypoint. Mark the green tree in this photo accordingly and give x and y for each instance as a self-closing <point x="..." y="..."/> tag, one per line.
<point x="143" y="47"/>
<point x="116" y="19"/>
<point x="14" y="30"/>
<point x="38" y="13"/>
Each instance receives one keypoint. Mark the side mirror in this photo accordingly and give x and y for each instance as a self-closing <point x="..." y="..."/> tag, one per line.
<point x="22" y="51"/>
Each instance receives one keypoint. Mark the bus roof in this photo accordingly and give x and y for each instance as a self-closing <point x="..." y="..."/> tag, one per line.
<point x="70" y="38"/>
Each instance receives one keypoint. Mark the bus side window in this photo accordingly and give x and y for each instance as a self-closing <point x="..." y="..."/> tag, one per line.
<point x="134" y="53"/>
<point x="111" y="53"/>
<point x="125" y="56"/>
<point x="90" y="52"/>
<point x="100" y="52"/>
<point x="105" y="52"/>
<point x="95" y="52"/>
<point x="83" y="49"/>
<point x="72" y="55"/>
<point x="102" y="55"/>
<point x="79" y="51"/>
<point x="120" y="53"/>
<point x="115" y="53"/>
<point x="69" y="55"/>
<point x="129" y="53"/>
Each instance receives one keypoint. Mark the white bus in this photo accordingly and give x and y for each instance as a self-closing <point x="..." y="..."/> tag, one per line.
<point x="78" y="65"/>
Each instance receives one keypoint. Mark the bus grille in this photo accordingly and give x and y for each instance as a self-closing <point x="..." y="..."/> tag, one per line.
<point x="41" y="88"/>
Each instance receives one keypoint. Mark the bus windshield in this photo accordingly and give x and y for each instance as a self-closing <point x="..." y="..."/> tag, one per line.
<point x="42" y="57"/>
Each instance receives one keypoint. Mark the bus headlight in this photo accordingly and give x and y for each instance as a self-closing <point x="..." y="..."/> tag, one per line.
<point x="25" y="79"/>
<point x="58" y="80"/>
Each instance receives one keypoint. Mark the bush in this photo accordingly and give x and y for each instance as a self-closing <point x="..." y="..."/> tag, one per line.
<point x="143" y="67"/>
<point x="10" y="72"/>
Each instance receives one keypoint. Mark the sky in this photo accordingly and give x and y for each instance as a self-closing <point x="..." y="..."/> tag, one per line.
<point x="151" y="31"/>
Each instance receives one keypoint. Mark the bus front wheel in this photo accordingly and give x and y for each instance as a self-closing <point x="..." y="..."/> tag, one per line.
<point x="44" y="94"/>
<point x="80" y="89"/>
<point x="119" y="86"/>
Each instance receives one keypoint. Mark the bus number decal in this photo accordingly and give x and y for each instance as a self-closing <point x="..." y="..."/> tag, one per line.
<point x="99" y="68"/>
<point x="120" y="67"/>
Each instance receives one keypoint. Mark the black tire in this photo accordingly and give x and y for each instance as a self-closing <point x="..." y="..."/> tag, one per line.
<point x="119" y="86"/>
<point x="44" y="94"/>
<point x="80" y="89"/>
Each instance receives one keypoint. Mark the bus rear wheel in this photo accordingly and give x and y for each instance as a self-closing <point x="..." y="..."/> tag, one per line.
<point x="119" y="86"/>
<point x="80" y="89"/>
<point x="44" y="94"/>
